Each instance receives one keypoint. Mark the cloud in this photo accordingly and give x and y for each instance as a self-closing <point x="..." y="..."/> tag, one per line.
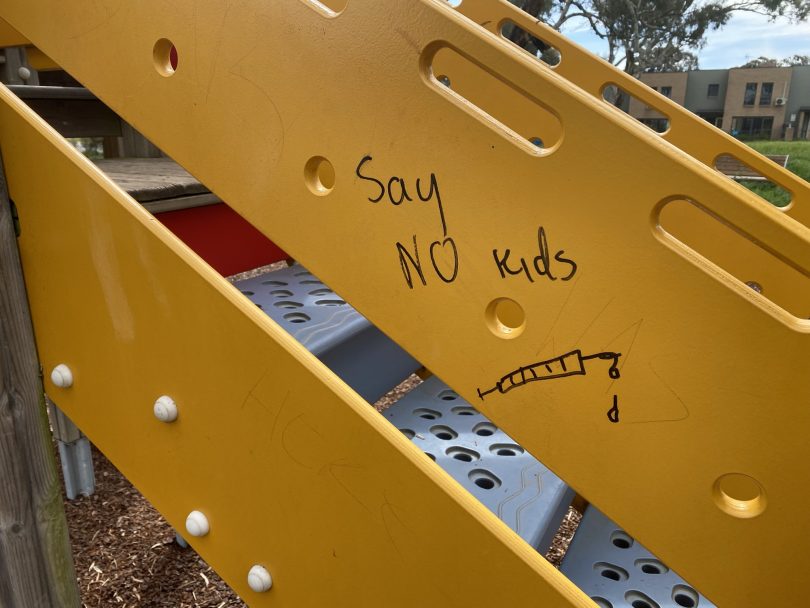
<point x="746" y="36"/>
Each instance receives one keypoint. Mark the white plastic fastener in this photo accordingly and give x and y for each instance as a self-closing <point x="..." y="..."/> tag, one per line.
<point x="165" y="409"/>
<point x="61" y="376"/>
<point x="23" y="72"/>
<point x="259" y="579"/>
<point x="197" y="524"/>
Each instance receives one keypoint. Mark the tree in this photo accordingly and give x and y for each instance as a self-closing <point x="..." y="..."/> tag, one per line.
<point x="652" y="35"/>
<point x="762" y="62"/>
<point x="796" y="60"/>
<point x="767" y="62"/>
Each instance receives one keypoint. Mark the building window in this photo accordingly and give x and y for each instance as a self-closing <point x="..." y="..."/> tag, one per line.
<point x="659" y="125"/>
<point x="666" y="92"/>
<point x="714" y="90"/>
<point x="752" y="127"/>
<point x="750" y="94"/>
<point x="766" y="94"/>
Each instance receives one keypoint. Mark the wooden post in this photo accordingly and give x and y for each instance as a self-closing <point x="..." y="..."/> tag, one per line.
<point x="36" y="565"/>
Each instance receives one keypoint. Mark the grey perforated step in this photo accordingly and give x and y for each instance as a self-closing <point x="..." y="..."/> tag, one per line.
<point x="618" y="572"/>
<point x="364" y="357"/>
<point x="524" y="494"/>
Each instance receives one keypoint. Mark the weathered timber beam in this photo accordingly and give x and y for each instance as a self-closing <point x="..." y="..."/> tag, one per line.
<point x="36" y="565"/>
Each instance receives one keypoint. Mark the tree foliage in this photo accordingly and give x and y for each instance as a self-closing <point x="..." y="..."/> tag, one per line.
<point x="654" y="35"/>
<point x="768" y="62"/>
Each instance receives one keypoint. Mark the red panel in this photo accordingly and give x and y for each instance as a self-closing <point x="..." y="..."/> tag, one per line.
<point x="222" y="238"/>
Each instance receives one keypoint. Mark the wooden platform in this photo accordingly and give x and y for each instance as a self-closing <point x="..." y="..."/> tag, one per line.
<point x="160" y="184"/>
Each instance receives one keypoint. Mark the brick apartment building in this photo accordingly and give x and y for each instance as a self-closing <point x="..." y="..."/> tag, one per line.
<point x="749" y="103"/>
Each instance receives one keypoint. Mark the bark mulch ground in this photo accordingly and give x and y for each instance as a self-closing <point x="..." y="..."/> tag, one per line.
<point x="126" y="556"/>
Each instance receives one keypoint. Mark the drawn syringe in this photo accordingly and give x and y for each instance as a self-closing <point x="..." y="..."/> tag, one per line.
<point x="569" y="364"/>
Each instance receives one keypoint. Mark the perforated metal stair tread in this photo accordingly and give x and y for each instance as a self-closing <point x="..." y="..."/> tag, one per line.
<point x="364" y="357"/>
<point x="523" y="493"/>
<point x="616" y="571"/>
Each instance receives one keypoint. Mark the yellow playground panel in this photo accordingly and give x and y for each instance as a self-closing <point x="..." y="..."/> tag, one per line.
<point x="491" y="214"/>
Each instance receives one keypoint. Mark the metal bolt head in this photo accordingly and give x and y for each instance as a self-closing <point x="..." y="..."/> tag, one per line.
<point x="754" y="285"/>
<point x="165" y="409"/>
<point x="61" y="376"/>
<point x="259" y="579"/>
<point x="197" y="524"/>
<point x="23" y="72"/>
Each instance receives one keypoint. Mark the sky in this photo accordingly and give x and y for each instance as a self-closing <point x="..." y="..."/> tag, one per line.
<point x="746" y="37"/>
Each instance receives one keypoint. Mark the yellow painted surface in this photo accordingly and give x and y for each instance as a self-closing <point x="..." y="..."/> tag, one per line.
<point x="687" y="131"/>
<point x="713" y="375"/>
<point x="293" y="470"/>
<point x="9" y="36"/>
<point x="741" y="257"/>
<point x="39" y="60"/>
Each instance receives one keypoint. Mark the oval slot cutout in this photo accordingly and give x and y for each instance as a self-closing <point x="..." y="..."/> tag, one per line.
<point x="531" y="44"/>
<point x="611" y="571"/>
<point x="685" y="596"/>
<point x="485" y="429"/>
<point x="427" y="414"/>
<point x="738" y="255"/>
<point x="462" y="454"/>
<point x="281" y="293"/>
<point x="484" y="479"/>
<point x="443" y="432"/>
<point x="297" y="317"/>
<point x="646" y="114"/>
<point x="506" y="449"/>
<point x="752" y="179"/>
<point x="502" y="105"/>
<point x="621" y="539"/>
<point x="330" y="302"/>
<point x="637" y="599"/>
<point x="651" y="566"/>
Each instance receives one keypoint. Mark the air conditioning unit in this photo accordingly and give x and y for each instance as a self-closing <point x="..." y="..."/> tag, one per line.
<point x="780" y="101"/>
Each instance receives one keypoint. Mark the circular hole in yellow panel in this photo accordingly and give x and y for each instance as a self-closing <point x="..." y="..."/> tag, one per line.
<point x="319" y="175"/>
<point x="739" y="495"/>
<point x="505" y="318"/>
<point x="165" y="58"/>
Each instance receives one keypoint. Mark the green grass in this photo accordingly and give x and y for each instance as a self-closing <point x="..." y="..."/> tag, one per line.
<point x="798" y="163"/>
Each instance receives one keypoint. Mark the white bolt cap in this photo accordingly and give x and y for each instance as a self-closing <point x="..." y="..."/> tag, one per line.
<point x="165" y="409"/>
<point x="259" y="579"/>
<point x="61" y="376"/>
<point x="197" y="524"/>
<point x="23" y="72"/>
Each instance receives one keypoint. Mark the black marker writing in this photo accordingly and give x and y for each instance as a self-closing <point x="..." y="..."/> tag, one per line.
<point x="541" y="265"/>
<point x="443" y="256"/>
<point x="405" y="257"/>
<point x="396" y="190"/>
<point x="613" y="413"/>
<point x="377" y="199"/>
<point x="569" y="364"/>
